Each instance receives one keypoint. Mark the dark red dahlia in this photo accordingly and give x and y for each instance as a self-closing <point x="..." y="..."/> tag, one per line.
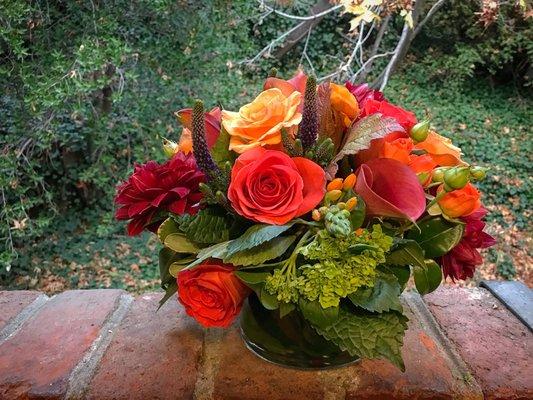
<point x="462" y="260"/>
<point x="155" y="188"/>
<point x="363" y="92"/>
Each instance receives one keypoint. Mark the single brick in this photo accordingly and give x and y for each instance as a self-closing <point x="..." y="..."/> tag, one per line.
<point x="242" y="375"/>
<point x="431" y="372"/>
<point x="153" y="355"/>
<point x="493" y="342"/>
<point x="37" y="361"/>
<point x="13" y="302"/>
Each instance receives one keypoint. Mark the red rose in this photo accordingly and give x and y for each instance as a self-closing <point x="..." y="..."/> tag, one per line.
<point x="211" y="293"/>
<point x="172" y="186"/>
<point x="405" y="118"/>
<point x="269" y="186"/>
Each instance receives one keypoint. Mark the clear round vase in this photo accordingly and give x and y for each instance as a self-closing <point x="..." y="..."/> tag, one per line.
<point x="289" y="341"/>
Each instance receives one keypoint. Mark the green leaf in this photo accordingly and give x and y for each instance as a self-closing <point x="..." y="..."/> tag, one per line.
<point x="401" y="272"/>
<point x="216" y="251"/>
<point x="256" y="235"/>
<point x="166" y="258"/>
<point x="264" y="252"/>
<point x="269" y="301"/>
<point x="407" y="252"/>
<point x="383" y="296"/>
<point x="316" y="314"/>
<point x="220" y="150"/>
<point x="361" y="133"/>
<point x="252" y="278"/>
<point x="170" y="291"/>
<point x="168" y="227"/>
<point x="358" y="248"/>
<point x="369" y="335"/>
<point x="209" y="226"/>
<point x="436" y="236"/>
<point x="358" y="214"/>
<point x="428" y="278"/>
<point x="285" y="309"/>
<point x="180" y="244"/>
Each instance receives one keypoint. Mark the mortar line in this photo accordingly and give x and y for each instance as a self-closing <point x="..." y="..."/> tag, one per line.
<point x="208" y="364"/>
<point x="16" y="323"/>
<point x="82" y="375"/>
<point x="424" y="315"/>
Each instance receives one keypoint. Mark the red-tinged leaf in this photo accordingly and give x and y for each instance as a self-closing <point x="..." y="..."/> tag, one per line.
<point x="390" y="189"/>
<point x="361" y="134"/>
<point x="212" y="123"/>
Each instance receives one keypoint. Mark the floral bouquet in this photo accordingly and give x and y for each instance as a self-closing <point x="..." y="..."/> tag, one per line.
<point x="308" y="210"/>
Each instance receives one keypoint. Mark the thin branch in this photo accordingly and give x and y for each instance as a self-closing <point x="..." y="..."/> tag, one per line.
<point x="370" y="61"/>
<point x="297" y="17"/>
<point x="375" y="48"/>
<point x="428" y="16"/>
<point x="268" y="48"/>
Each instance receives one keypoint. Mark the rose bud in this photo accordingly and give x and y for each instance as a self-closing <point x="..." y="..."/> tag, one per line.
<point x="169" y="148"/>
<point x="478" y="173"/>
<point x="438" y="174"/>
<point x="456" y="178"/>
<point x="420" y="131"/>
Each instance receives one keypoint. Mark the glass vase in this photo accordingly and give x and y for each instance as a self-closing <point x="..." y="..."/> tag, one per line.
<point x="289" y="341"/>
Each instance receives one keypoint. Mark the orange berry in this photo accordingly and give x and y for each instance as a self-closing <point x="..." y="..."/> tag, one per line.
<point x="349" y="182"/>
<point x="335" y="184"/>
<point x="316" y="215"/>
<point x="351" y="203"/>
<point x="333" y="195"/>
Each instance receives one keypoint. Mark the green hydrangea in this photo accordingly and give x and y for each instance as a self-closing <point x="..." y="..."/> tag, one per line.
<point x="338" y="267"/>
<point x="283" y="285"/>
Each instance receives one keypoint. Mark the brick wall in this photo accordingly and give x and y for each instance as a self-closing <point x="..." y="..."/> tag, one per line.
<point x="105" y="344"/>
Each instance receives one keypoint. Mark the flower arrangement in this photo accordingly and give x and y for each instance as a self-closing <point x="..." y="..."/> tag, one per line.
<point x="316" y="201"/>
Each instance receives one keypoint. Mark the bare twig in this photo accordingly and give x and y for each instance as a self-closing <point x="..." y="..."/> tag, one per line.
<point x="375" y="48"/>
<point x="428" y="16"/>
<point x="297" y="17"/>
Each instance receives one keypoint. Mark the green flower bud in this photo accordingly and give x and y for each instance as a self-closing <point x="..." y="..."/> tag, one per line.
<point x="457" y="177"/>
<point x="169" y="148"/>
<point x="420" y="131"/>
<point x="438" y="174"/>
<point x="478" y="173"/>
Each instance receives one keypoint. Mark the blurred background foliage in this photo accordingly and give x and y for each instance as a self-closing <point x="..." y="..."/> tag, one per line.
<point x="90" y="87"/>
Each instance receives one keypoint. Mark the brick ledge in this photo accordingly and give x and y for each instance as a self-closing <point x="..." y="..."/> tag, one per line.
<point x="104" y="344"/>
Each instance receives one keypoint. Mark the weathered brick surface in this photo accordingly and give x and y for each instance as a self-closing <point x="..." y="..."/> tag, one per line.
<point x="37" y="361"/>
<point x="13" y="302"/>
<point x="430" y="371"/>
<point x="242" y="375"/>
<point x="166" y="355"/>
<point x="493" y="342"/>
<point x="152" y="355"/>
<point x="430" y="374"/>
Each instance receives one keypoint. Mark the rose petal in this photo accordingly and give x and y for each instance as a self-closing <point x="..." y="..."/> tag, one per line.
<point x="314" y="179"/>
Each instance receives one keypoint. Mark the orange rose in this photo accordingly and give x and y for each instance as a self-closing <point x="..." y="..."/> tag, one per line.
<point x="211" y="293"/>
<point x="398" y="149"/>
<point x="260" y="122"/>
<point x="422" y="166"/>
<point x="344" y="103"/>
<point x="269" y="186"/>
<point x="459" y="203"/>
<point x="441" y="149"/>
